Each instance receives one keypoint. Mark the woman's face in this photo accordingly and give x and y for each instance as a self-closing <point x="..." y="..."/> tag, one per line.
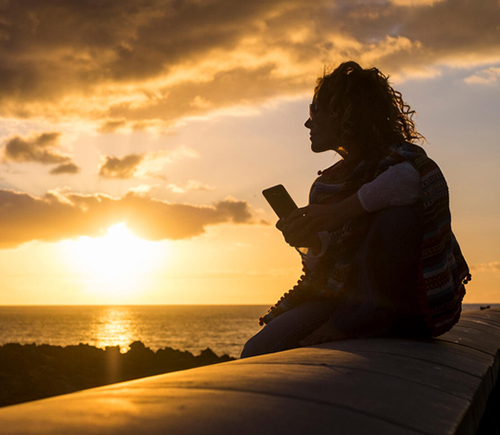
<point x="323" y="134"/>
<point x="322" y="137"/>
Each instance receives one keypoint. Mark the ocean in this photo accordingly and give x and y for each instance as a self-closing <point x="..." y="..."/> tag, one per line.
<point x="222" y="328"/>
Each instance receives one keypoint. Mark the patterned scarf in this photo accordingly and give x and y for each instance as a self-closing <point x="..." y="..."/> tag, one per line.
<point x="442" y="267"/>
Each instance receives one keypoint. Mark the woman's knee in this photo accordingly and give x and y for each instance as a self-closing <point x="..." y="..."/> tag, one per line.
<point x="395" y="231"/>
<point x="402" y="219"/>
<point x="388" y="259"/>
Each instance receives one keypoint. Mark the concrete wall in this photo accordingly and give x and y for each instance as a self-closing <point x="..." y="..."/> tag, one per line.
<point x="373" y="386"/>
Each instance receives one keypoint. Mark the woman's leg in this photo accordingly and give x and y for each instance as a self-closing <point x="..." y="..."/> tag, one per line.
<point x="285" y="331"/>
<point x="384" y="297"/>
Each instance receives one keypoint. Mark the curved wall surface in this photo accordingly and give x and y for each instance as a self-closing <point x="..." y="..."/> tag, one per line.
<point x="375" y="386"/>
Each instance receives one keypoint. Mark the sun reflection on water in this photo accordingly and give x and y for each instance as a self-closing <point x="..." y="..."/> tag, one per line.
<point x="114" y="328"/>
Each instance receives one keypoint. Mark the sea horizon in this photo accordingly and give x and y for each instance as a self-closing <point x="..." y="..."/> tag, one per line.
<point x="224" y="328"/>
<point x="197" y="305"/>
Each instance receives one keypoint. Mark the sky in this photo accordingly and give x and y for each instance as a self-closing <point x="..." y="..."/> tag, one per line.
<point x="136" y="137"/>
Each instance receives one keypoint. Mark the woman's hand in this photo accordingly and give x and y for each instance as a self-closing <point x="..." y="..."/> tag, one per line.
<point x="325" y="333"/>
<point x="301" y="227"/>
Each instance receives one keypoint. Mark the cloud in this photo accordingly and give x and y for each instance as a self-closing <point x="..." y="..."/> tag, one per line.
<point x="65" y="168"/>
<point x="61" y="215"/>
<point x="41" y="148"/>
<point x="134" y="63"/>
<point x="493" y="266"/>
<point x="190" y="185"/>
<point x="126" y="167"/>
<point x="143" y="165"/>
<point x="144" y="189"/>
<point x="111" y="126"/>
<point x="487" y="76"/>
<point x="415" y="3"/>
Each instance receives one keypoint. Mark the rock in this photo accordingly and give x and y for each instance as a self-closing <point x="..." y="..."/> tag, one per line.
<point x="29" y="372"/>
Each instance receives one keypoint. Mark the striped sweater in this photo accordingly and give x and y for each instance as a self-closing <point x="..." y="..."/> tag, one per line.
<point x="443" y="270"/>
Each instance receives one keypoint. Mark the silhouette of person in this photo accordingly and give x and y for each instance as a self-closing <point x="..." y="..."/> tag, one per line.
<point x="378" y="253"/>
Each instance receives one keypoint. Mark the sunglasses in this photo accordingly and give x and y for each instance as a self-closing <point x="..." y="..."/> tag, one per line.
<point x="313" y="110"/>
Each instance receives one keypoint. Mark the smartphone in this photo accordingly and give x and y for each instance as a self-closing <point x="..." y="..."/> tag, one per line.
<point x="279" y="199"/>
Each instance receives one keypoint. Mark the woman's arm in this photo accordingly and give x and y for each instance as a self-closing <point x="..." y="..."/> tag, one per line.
<point x="399" y="185"/>
<point x="302" y="226"/>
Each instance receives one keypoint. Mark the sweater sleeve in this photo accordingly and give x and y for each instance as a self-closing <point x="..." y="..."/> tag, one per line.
<point x="399" y="185"/>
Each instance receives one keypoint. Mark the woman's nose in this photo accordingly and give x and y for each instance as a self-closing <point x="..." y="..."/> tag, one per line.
<point x="308" y="124"/>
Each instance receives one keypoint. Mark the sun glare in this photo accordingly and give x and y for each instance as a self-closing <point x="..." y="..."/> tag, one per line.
<point x="117" y="266"/>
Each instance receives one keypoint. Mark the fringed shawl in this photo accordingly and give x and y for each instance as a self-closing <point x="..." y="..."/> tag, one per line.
<point x="443" y="270"/>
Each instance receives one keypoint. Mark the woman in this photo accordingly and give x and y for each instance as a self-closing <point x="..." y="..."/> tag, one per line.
<point x="380" y="258"/>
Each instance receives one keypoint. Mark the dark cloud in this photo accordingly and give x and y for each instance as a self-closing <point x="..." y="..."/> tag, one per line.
<point x="65" y="168"/>
<point x="41" y="148"/>
<point x="143" y="61"/>
<point x="111" y="126"/>
<point x="125" y="167"/>
<point x="62" y="215"/>
<point x="148" y="164"/>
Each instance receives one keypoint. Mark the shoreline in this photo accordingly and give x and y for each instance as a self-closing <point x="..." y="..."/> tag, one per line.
<point x="37" y="371"/>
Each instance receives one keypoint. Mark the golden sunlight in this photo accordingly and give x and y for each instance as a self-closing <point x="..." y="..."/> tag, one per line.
<point x="114" y="328"/>
<point x="118" y="266"/>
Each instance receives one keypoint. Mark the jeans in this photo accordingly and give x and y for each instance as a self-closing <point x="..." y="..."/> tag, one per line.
<point x="381" y="296"/>
<point x="285" y="331"/>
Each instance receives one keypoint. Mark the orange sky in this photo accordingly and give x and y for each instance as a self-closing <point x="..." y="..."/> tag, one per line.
<point x="164" y="121"/>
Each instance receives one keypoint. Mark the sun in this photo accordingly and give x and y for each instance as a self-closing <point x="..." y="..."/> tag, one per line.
<point x="118" y="266"/>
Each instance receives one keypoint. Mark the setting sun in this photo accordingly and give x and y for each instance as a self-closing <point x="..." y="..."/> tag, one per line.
<point x="117" y="265"/>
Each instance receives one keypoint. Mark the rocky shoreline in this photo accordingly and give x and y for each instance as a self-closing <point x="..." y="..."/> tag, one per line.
<point x="31" y="372"/>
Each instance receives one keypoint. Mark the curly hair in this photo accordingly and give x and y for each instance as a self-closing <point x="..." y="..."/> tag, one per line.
<point x="362" y="108"/>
